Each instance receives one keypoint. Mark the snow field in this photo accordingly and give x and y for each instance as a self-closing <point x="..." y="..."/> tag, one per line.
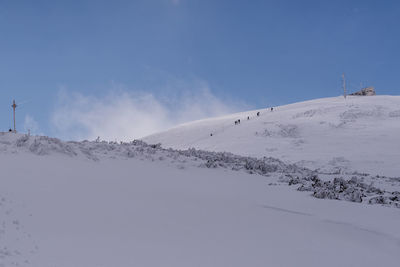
<point x="107" y="204"/>
<point x="140" y="213"/>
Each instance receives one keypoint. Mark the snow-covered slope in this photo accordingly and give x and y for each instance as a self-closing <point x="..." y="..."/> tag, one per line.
<point x="87" y="204"/>
<point x="359" y="133"/>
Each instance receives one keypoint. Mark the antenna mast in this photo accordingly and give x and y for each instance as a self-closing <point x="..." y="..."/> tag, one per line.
<point x="344" y="86"/>
<point x="14" y="106"/>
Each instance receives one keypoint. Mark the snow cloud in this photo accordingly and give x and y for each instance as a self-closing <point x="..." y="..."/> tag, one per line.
<point x="124" y="115"/>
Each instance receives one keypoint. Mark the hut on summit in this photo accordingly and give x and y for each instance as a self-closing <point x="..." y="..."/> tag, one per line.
<point x="367" y="91"/>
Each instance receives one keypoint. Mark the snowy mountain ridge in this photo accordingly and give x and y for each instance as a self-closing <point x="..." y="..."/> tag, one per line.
<point x="331" y="134"/>
<point x="91" y="204"/>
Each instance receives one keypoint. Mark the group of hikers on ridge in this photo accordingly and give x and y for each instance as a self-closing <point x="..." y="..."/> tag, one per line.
<point x="248" y="118"/>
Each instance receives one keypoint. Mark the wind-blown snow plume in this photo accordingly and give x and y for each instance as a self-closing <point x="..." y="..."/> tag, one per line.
<point x="123" y="115"/>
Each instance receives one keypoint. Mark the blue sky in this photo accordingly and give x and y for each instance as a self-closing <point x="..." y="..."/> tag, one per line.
<point x="71" y="61"/>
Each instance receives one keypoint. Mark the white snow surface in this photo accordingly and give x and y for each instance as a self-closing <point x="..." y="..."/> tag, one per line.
<point x="85" y="204"/>
<point x="354" y="134"/>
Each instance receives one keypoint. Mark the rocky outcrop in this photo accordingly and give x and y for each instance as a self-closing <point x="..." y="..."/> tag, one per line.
<point x="367" y="91"/>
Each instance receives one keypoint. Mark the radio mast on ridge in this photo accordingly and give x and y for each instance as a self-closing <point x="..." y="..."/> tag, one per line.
<point x="14" y="106"/>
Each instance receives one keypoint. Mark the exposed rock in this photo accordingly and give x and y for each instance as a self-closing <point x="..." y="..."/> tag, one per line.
<point x="367" y="91"/>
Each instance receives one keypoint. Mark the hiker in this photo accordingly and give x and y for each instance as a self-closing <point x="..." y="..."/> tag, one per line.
<point x="258" y="114"/>
<point x="239" y="121"/>
<point x="248" y="118"/>
<point x="272" y="109"/>
<point x="235" y="122"/>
